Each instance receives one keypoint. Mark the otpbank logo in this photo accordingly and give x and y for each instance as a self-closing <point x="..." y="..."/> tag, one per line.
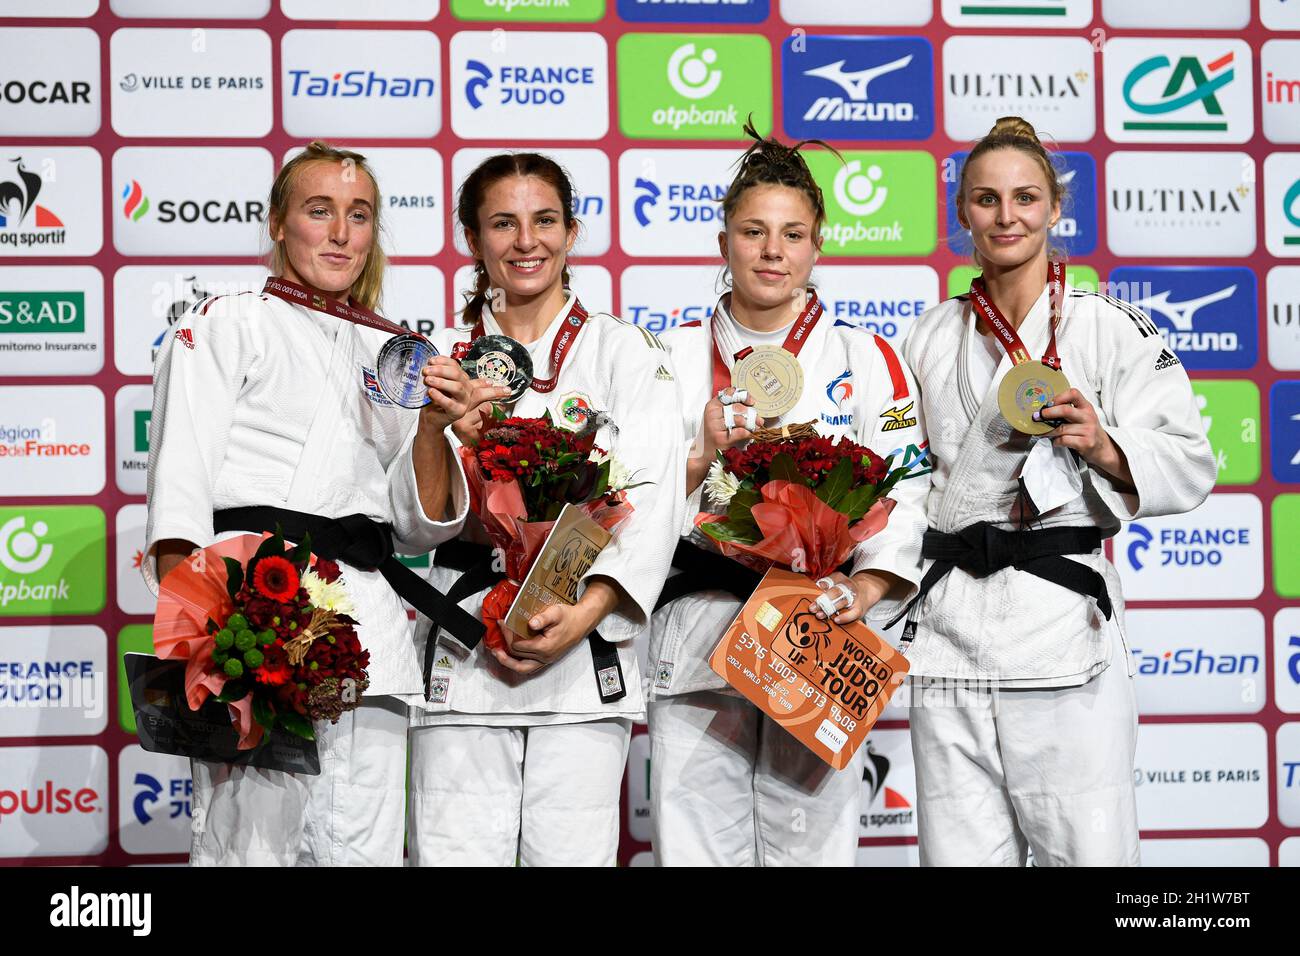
<point x="1178" y="91"/>
<point x="693" y="86"/>
<point x="858" y="87"/>
<point x="1075" y="232"/>
<point x="694" y="11"/>
<point x="1206" y="315"/>
<point x="877" y="203"/>
<point x="52" y="560"/>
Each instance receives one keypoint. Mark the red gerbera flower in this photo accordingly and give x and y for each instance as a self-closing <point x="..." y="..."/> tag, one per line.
<point x="276" y="578"/>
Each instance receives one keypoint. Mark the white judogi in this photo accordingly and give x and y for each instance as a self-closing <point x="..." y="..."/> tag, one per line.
<point x="613" y="367"/>
<point x="261" y="402"/>
<point x="726" y="781"/>
<point x="1015" y="631"/>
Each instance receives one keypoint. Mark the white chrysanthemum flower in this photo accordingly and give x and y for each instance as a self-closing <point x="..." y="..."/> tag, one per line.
<point x="329" y="595"/>
<point x="721" y="485"/>
<point x="619" y="476"/>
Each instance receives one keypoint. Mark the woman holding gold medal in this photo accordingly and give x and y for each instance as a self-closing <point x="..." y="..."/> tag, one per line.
<point x="519" y="753"/>
<point x="730" y="787"/>
<point x="1055" y="413"/>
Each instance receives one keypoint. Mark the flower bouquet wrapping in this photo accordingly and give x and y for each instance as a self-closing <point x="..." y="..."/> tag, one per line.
<point x="802" y="502"/>
<point x="796" y="505"/>
<point x="521" y="474"/>
<point x="267" y="630"/>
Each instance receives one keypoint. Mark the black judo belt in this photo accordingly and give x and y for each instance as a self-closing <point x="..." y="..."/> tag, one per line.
<point x="363" y="543"/>
<point x="703" y="570"/>
<point x="706" y="571"/>
<point x="477" y="566"/>
<point x="981" y="549"/>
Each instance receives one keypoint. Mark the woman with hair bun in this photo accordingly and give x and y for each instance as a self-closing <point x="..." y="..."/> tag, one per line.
<point x="262" y="418"/>
<point x="1055" y="414"/>
<point x="518" y="754"/>
<point x="729" y="786"/>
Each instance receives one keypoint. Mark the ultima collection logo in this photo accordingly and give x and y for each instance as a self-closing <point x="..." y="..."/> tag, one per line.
<point x="684" y="86"/>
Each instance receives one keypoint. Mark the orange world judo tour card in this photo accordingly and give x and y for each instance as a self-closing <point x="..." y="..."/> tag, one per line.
<point x="823" y="682"/>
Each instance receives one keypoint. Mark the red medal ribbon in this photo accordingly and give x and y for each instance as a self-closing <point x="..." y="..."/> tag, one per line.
<point x="1007" y="333"/>
<point x="794" y="341"/>
<point x="297" y="295"/>
<point x="564" y="339"/>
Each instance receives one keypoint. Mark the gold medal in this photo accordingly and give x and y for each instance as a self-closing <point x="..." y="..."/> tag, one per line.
<point x="772" y="377"/>
<point x="1025" y="389"/>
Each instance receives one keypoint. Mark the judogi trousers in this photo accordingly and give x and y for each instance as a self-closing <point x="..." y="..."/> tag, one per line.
<point x="543" y="795"/>
<point x="349" y="815"/>
<point x="729" y="787"/>
<point x="1000" y="772"/>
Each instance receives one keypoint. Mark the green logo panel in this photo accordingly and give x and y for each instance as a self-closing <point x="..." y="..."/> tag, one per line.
<point x="529" y="11"/>
<point x="877" y="203"/>
<point x="1081" y="277"/>
<point x="1230" y="414"/>
<point x="1286" y="556"/>
<point x="134" y="638"/>
<point x="689" y="86"/>
<point x="53" y="560"/>
<point x="43" y="312"/>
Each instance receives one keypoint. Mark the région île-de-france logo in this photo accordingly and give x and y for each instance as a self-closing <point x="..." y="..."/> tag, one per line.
<point x="18" y="205"/>
<point x="1206" y="80"/>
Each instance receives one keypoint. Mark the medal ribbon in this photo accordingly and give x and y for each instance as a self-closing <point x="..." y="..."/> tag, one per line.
<point x="297" y="295"/>
<point x="1007" y="333"/>
<point x="794" y="341"/>
<point x="564" y="339"/>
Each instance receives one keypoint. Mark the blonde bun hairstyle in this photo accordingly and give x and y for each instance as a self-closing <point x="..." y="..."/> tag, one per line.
<point x="1014" y="132"/>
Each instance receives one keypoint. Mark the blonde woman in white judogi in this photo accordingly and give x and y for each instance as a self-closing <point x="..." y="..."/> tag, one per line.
<point x="264" y="402"/>
<point x="1023" y="716"/>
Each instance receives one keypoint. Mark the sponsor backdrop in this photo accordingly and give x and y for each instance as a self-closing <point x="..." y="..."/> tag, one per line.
<point x="138" y="139"/>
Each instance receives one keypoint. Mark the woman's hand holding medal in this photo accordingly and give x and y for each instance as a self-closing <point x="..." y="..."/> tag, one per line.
<point x="453" y="395"/>
<point x="1077" y="427"/>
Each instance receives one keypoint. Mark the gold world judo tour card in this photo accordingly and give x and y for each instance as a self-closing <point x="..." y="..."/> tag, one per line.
<point x="567" y="554"/>
<point x="823" y="682"/>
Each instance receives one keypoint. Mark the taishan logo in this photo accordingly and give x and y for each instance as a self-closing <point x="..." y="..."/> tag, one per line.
<point x="1206" y="81"/>
<point x="359" y="83"/>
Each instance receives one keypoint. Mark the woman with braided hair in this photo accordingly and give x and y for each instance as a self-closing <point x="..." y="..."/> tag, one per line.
<point x="729" y="787"/>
